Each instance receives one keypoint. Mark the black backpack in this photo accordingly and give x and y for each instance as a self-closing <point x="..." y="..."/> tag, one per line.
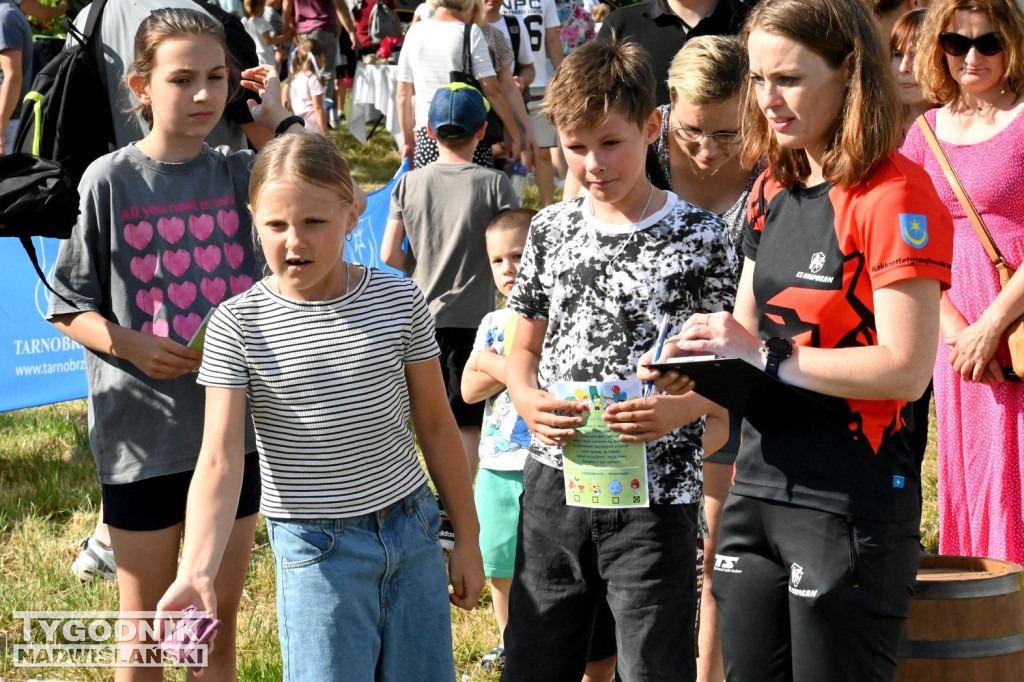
<point x="65" y="125"/>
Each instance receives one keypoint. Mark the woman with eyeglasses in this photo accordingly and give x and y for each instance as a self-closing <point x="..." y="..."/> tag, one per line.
<point x="970" y="59"/>
<point x="846" y="249"/>
<point x="697" y="156"/>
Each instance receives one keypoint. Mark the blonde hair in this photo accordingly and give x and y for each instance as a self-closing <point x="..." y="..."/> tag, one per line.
<point x="708" y="69"/>
<point x="930" y="68"/>
<point x="597" y="78"/>
<point x="167" y="24"/>
<point x="300" y="60"/>
<point x="868" y="126"/>
<point x="600" y="11"/>
<point x="315" y="159"/>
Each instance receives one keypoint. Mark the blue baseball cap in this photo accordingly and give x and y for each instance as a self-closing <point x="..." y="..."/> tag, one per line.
<point x="457" y="111"/>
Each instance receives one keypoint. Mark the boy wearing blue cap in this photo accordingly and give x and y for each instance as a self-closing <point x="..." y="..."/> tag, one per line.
<point x="444" y="209"/>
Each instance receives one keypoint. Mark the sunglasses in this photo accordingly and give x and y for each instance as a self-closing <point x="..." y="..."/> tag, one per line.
<point x="957" y="45"/>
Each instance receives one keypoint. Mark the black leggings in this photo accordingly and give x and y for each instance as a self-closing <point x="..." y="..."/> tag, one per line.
<point x="806" y="595"/>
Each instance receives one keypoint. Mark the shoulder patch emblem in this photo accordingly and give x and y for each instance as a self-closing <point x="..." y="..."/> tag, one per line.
<point x="914" y="229"/>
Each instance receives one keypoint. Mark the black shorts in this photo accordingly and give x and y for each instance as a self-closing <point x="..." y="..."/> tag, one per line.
<point x="456" y="346"/>
<point x="159" y="502"/>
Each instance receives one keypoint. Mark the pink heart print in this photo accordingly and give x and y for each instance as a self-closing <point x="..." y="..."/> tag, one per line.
<point x="150" y="301"/>
<point x="228" y="221"/>
<point x="182" y="294"/>
<point x="177" y="262"/>
<point x="235" y="254"/>
<point x="186" y="325"/>
<point x="171" y="229"/>
<point x="240" y="284"/>
<point x="201" y="225"/>
<point x="138" y="235"/>
<point x="207" y="257"/>
<point x="144" y="267"/>
<point x="158" y="328"/>
<point x="213" y="289"/>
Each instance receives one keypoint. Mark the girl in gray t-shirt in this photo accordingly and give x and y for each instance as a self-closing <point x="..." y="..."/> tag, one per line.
<point x="163" y="236"/>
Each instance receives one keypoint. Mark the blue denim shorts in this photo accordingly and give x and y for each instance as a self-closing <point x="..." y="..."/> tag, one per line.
<point x="366" y="597"/>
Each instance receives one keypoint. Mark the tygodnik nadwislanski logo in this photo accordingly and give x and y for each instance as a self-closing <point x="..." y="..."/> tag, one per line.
<point x="108" y="639"/>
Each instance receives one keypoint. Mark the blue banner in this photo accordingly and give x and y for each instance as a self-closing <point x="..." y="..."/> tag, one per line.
<point x="38" y="364"/>
<point x="365" y="245"/>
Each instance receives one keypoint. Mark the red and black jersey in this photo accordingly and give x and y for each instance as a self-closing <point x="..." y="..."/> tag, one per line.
<point x="820" y="254"/>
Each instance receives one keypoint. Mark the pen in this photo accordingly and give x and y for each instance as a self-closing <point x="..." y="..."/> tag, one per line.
<point x="662" y="335"/>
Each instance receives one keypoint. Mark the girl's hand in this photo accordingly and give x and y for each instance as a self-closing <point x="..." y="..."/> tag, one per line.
<point x="543" y="418"/>
<point x="162" y="358"/>
<point x="466" y="574"/>
<point x="263" y="80"/>
<point x="183" y="593"/>
<point x="973" y="350"/>
<point x="719" y="334"/>
<point x="640" y="422"/>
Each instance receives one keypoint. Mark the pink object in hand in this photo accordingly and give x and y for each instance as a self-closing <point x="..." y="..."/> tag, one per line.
<point x="189" y="633"/>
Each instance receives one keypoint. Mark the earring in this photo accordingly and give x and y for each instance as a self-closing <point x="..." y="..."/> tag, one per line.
<point x="348" y="237"/>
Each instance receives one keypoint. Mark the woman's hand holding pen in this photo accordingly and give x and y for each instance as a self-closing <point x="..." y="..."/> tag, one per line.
<point x="719" y="334"/>
<point x="550" y="419"/>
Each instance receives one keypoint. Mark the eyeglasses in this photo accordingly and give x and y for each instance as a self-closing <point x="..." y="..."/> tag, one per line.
<point x="723" y="139"/>
<point x="957" y="45"/>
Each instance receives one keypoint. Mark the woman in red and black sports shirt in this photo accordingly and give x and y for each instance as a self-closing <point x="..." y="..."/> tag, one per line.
<point x="847" y="249"/>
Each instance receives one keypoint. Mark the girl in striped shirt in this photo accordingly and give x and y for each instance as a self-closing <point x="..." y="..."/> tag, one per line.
<point x="334" y="359"/>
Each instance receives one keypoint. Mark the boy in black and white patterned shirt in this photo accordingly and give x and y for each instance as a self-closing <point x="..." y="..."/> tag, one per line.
<point x="597" y="275"/>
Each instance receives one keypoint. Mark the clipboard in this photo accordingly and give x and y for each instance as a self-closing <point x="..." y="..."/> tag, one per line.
<point x="745" y="390"/>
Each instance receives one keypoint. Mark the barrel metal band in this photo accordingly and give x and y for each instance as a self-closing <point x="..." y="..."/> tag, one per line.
<point x="969" y="589"/>
<point x="963" y="648"/>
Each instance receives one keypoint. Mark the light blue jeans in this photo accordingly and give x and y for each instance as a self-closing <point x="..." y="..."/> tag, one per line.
<point x="364" y="598"/>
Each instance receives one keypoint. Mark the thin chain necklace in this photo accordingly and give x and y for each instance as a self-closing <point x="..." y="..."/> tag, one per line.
<point x="636" y="228"/>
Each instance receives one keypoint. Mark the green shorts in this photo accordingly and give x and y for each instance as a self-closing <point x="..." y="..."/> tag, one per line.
<point x="497" y="505"/>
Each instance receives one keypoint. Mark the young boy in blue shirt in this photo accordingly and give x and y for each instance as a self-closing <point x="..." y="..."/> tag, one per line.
<point x="597" y="275"/>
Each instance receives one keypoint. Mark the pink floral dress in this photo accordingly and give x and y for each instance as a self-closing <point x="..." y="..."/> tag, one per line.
<point x="980" y="427"/>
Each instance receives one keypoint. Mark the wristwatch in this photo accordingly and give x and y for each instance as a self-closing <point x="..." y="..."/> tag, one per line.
<point x="776" y="349"/>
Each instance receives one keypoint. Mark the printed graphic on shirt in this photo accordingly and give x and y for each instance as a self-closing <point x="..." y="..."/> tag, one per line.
<point x="184" y="258"/>
<point x="504" y="436"/>
<point x="821" y="252"/>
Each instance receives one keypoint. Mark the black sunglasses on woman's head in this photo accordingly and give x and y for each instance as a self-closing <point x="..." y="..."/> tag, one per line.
<point x="957" y="45"/>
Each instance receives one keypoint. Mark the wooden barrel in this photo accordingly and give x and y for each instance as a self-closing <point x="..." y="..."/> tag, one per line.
<point x="966" y="622"/>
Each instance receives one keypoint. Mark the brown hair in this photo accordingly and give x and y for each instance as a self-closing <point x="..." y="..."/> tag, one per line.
<point x="512" y="219"/>
<point x="906" y="30"/>
<point x="170" y="23"/>
<point x="930" y="68"/>
<point x="597" y="78"/>
<point x="250" y="6"/>
<point x="315" y="159"/>
<point x="708" y="69"/>
<point x="868" y="126"/>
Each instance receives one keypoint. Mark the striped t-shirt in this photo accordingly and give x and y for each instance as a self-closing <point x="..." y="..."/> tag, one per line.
<point x="326" y="383"/>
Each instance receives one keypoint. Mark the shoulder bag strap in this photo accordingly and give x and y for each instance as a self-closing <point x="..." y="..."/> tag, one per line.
<point x="467" y="59"/>
<point x="961" y="195"/>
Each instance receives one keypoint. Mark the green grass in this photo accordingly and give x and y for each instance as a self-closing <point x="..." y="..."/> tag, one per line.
<point x="49" y="496"/>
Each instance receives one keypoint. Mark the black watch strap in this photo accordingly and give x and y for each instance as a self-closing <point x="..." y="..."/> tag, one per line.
<point x="776" y="349"/>
<point x="288" y="123"/>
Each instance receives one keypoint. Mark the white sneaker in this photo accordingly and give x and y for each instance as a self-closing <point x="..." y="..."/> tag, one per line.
<point x="96" y="560"/>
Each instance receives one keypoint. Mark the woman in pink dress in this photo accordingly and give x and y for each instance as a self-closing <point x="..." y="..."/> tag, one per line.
<point x="970" y="59"/>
